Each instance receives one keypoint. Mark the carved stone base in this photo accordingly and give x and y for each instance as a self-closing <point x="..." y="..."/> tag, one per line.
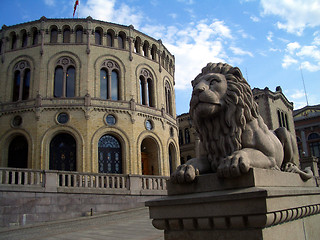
<point x="263" y="204"/>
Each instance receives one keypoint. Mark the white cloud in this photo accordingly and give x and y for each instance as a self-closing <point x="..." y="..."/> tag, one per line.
<point x="296" y="15"/>
<point x="310" y="67"/>
<point x="106" y="10"/>
<point x="310" y="51"/>
<point x="270" y="36"/>
<point x="188" y="2"/>
<point x="288" y="60"/>
<point x="49" y="2"/>
<point x="291" y="47"/>
<point x="239" y="51"/>
<point x="297" y="94"/>
<point x="193" y="46"/>
<point x="255" y="19"/>
<point x="316" y="40"/>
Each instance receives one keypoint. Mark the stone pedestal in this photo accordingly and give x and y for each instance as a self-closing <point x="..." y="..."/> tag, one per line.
<point x="263" y="204"/>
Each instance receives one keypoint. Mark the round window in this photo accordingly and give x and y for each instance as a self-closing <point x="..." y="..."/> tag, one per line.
<point x="63" y="118"/>
<point x="149" y="125"/>
<point x="17" y="121"/>
<point x="111" y="120"/>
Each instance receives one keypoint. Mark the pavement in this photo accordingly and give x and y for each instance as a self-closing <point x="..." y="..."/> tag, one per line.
<point x="133" y="224"/>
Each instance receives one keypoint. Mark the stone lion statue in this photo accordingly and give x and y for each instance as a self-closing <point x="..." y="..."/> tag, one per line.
<point x="233" y="136"/>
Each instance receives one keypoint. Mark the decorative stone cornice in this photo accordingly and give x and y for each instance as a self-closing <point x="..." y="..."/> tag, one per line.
<point x="237" y="222"/>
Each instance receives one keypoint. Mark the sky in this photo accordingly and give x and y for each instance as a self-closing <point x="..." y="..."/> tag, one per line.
<point x="273" y="42"/>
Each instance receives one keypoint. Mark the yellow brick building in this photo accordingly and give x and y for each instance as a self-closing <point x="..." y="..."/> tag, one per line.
<point x="86" y="95"/>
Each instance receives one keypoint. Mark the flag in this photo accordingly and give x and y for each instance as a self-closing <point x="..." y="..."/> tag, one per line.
<point x="75" y="7"/>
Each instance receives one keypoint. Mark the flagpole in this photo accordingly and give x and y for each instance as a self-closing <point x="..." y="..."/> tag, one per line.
<point x="78" y="9"/>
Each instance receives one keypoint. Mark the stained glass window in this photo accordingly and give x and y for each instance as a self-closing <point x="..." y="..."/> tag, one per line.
<point x="109" y="152"/>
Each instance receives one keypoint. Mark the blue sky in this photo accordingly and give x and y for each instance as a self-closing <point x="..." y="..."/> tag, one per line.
<point x="271" y="41"/>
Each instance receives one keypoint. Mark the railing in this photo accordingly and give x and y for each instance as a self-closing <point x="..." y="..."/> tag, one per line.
<point x="14" y="179"/>
<point x="16" y="176"/>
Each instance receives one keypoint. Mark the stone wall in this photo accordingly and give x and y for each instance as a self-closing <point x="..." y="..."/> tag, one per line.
<point x="30" y="196"/>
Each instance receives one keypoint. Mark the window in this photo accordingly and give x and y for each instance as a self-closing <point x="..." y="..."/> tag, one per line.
<point x="109" y="155"/>
<point x="109" y="40"/>
<point x="16" y="121"/>
<point x="146" y="88"/>
<point x="66" y="35"/>
<point x="109" y="80"/>
<point x="146" y="49"/>
<point x="63" y="118"/>
<point x="21" y="81"/>
<point x="64" y="78"/>
<point x="63" y="153"/>
<point x="1" y="46"/>
<point x="18" y="153"/>
<point x="13" y="41"/>
<point x="168" y="99"/>
<point x="121" y="40"/>
<point x="154" y="52"/>
<point x="111" y="120"/>
<point x="180" y="138"/>
<point x="314" y="144"/>
<point x="79" y="33"/>
<point x="283" y="119"/>
<point x="35" y="36"/>
<point x="149" y="125"/>
<point x="137" y="44"/>
<point x="54" y="35"/>
<point x="97" y="37"/>
<point x="187" y="136"/>
<point x="24" y="39"/>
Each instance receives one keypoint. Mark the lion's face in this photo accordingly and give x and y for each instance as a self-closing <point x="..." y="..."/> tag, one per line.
<point x="208" y="95"/>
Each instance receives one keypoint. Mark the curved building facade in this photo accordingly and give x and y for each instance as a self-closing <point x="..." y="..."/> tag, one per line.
<point x="88" y="96"/>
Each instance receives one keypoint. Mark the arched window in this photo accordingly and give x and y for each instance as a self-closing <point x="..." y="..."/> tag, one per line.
<point x="187" y="135"/>
<point x="63" y="154"/>
<point x="314" y="136"/>
<point x="180" y="138"/>
<point x="54" y="35"/>
<point x="35" y="36"/>
<point x="121" y="40"/>
<point x="109" y="155"/>
<point x="154" y="52"/>
<point x="167" y="63"/>
<point x="146" y="49"/>
<point x="21" y="81"/>
<point x="13" y="41"/>
<point x="109" y="40"/>
<point x="18" y="153"/>
<point x="168" y="99"/>
<point x="66" y="35"/>
<point x="163" y="56"/>
<point x="137" y="44"/>
<point x="79" y="34"/>
<point x="109" y="80"/>
<point x="97" y="36"/>
<point x="24" y="40"/>
<point x="146" y="88"/>
<point x="64" y="78"/>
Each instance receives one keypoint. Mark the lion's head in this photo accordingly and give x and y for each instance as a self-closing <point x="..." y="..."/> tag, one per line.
<point x="220" y="106"/>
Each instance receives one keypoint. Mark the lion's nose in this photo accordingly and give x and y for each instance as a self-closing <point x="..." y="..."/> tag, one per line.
<point x="199" y="88"/>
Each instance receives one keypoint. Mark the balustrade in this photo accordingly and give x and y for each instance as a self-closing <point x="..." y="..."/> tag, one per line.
<point x="63" y="181"/>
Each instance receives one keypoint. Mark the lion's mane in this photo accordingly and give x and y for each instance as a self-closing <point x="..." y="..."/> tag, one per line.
<point x="221" y="133"/>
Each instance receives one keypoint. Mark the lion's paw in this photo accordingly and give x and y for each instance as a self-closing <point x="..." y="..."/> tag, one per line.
<point x="184" y="174"/>
<point x="234" y="165"/>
